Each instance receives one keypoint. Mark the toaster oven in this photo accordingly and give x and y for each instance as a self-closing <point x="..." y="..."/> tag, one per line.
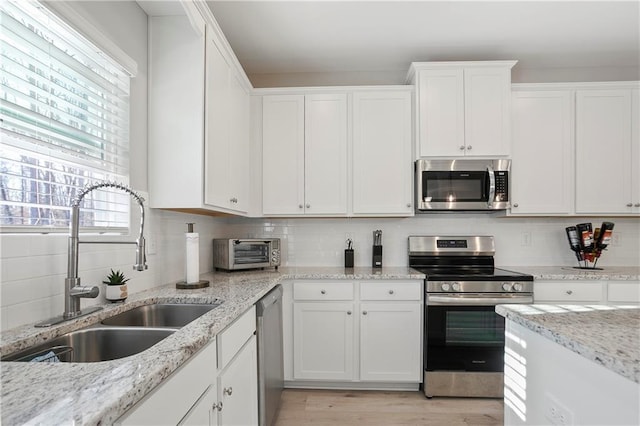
<point x="232" y="254"/>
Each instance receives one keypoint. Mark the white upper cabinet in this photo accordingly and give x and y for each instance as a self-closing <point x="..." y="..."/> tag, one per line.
<point x="198" y="116"/>
<point x="607" y="152"/>
<point x="542" y="152"/>
<point x="382" y="162"/>
<point x="463" y="108"/>
<point x="304" y="153"/>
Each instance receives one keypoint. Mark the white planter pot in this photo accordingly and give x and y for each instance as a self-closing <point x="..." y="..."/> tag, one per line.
<point x="115" y="293"/>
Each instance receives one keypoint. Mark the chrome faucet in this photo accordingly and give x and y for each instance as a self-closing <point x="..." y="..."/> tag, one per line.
<point x="73" y="290"/>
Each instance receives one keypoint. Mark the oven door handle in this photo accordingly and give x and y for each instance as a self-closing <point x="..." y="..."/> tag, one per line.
<point x="475" y="300"/>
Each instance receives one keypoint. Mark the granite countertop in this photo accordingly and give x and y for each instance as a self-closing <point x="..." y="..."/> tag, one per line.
<point x="617" y="273"/>
<point x="606" y="335"/>
<point x="100" y="392"/>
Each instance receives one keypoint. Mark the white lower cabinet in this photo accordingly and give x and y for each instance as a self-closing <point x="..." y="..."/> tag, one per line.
<point x="355" y="332"/>
<point x="569" y="292"/>
<point x="623" y="292"/>
<point x="217" y="386"/>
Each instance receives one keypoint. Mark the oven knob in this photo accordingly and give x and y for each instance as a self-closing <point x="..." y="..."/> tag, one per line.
<point x="517" y="287"/>
<point x="444" y="286"/>
<point x="455" y="286"/>
<point x="507" y="286"/>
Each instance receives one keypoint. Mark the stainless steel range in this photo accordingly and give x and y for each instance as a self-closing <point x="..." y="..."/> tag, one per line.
<point x="464" y="337"/>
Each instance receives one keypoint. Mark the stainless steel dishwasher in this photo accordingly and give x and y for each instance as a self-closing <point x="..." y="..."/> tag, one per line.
<point x="270" y="364"/>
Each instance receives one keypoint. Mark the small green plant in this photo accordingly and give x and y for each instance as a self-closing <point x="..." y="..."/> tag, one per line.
<point x="116" y="278"/>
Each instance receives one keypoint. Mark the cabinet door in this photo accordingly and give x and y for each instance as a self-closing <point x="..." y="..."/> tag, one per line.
<point x="635" y="149"/>
<point x="323" y="340"/>
<point x="205" y="411"/>
<point x="325" y="154"/>
<point x="218" y="98"/>
<point x="603" y="151"/>
<point x="542" y="173"/>
<point x="441" y="106"/>
<point x="382" y="163"/>
<point x="390" y="342"/>
<point x="283" y="154"/>
<point x="623" y="292"/>
<point x="239" y="170"/>
<point x="238" y="388"/>
<point x="487" y="109"/>
<point x="569" y="292"/>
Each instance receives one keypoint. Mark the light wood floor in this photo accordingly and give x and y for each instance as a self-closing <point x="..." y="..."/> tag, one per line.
<point x="382" y="408"/>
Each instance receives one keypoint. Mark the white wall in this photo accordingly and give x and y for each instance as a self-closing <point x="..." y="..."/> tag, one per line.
<point x="320" y="242"/>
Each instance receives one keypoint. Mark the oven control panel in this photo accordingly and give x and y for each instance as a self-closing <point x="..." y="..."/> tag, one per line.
<point x="479" y="287"/>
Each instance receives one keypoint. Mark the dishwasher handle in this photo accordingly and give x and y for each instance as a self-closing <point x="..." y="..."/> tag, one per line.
<point x="269" y="299"/>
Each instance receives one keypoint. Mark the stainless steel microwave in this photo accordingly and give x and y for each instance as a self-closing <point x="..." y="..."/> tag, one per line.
<point x="237" y="253"/>
<point x="462" y="184"/>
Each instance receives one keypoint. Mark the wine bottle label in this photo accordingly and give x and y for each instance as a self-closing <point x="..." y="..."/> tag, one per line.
<point x="606" y="238"/>
<point x="587" y="239"/>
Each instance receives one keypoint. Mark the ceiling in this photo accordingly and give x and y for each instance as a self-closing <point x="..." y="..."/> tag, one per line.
<point x="373" y="42"/>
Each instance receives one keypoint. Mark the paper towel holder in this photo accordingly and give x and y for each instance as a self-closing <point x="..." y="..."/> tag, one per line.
<point x="184" y="285"/>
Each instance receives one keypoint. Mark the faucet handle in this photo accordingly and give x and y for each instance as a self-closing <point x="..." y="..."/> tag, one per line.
<point x="141" y="255"/>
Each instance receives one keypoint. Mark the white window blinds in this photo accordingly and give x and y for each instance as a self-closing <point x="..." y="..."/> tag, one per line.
<point x="64" y="123"/>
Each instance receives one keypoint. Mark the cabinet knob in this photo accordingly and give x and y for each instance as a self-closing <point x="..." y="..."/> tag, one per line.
<point x="629" y="204"/>
<point x="364" y="312"/>
<point x="636" y="205"/>
<point x="228" y="391"/>
<point x="469" y="147"/>
<point x="323" y="292"/>
<point x="390" y="291"/>
<point x="409" y="205"/>
<point x="308" y="205"/>
<point x="217" y="406"/>
<point x="569" y="292"/>
<point x="515" y="205"/>
<point x="461" y="147"/>
<point x="300" y="206"/>
<point x="348" y="312"/>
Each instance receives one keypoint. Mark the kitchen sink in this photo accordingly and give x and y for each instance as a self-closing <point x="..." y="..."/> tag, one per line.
<point x="174" y="315"/>
<point x="93" y="345"/>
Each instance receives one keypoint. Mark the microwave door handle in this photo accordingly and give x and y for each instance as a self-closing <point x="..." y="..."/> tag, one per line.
<point x="492" y="186"/>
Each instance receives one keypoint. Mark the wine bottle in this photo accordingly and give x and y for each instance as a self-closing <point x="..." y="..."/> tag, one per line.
<point x="585" y="233"/>
<point x="604" y="238"/>
<point x="574" y="241"/>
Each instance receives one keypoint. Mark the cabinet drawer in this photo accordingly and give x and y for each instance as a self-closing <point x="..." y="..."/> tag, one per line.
<point x="391" y="290"/>
<point x="576" y="292"/>
<point x="189" y="382"/>
<point x="235" y="335"/>
<point x="623" y="292"/>
<point x="323" y="290"/>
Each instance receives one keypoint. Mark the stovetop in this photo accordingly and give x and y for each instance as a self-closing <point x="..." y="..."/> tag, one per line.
<point x="472" y="274"/>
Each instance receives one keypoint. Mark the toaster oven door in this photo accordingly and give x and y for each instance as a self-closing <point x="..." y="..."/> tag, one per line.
<point x="250" y="254"/>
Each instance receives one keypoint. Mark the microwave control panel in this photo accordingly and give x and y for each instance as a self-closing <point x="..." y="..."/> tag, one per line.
<point x="502" y="186"/>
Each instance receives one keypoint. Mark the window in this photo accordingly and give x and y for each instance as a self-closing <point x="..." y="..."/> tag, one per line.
<point x="64" y="109"/>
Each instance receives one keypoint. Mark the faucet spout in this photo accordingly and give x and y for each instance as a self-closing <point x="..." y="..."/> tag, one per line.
<point x="73" y="289"/>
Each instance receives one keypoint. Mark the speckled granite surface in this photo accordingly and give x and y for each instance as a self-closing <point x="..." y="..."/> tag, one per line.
<point x="99" y="393"/>
<point x="613" y="273"/>
<point x="606" y="335"/>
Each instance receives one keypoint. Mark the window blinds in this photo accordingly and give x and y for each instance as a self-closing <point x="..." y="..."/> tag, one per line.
<point x="65" y="123"/>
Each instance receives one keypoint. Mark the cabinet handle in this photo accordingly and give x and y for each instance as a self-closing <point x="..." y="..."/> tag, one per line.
<point x="227" y="391"/>
<point x="569" y="292"/>
<point x="364" y="312"/>
<point x="300" y="206"/>
<point x="390" y="291"/>
<point x="469" y="148"/>
<point x="217" y="406"/>
<point x="629" y="204"/>
<point x="409" y="205"/>
<point x="308" y="206"/>
<point x="515" y="205"/>
<point x="348" y="312"/>
<point x="461" y="147"/>
<point x="323" y="292"/>
<point x="636" y="205"/>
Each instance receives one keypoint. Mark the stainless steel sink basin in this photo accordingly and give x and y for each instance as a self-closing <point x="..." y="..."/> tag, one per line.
<point x="173" y="315"/>
<point x="93" y="345"/>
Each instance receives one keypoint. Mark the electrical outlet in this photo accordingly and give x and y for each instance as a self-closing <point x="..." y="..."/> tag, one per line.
<point x="556" y="413"/>
<point x="526" y="239"/>
<point x="150" y="242"/>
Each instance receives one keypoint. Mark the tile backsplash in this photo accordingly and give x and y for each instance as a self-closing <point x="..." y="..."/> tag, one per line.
<point x="33" y="267"/>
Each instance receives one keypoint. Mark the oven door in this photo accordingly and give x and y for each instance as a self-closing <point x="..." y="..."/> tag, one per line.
<point x="251" y="254"/>
<point x="464" y="333"/>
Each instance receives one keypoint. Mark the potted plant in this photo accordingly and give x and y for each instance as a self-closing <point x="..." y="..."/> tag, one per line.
<point x="116" y="290"/>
